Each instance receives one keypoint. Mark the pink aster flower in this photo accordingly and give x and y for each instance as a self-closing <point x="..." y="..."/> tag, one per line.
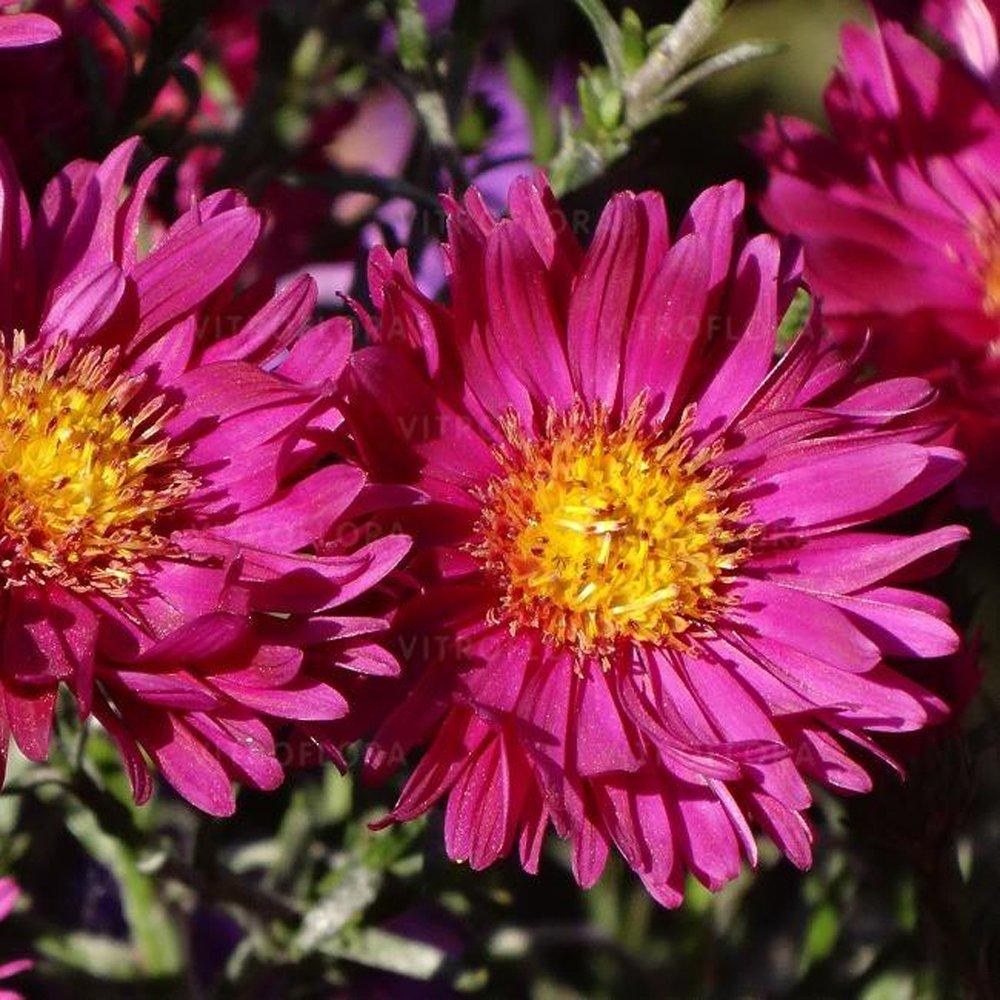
<point x="9" y="895"/>
<point x="169" y="540"/>
<point x="899" y="211"/>
<point x="22" y="31"/>
<point x="652" y="606"/>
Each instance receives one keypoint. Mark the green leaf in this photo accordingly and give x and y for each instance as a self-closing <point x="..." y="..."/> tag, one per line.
<point x="414" y="41"/>
<point x="634" y="47"/>
<point x="611" y="109"/>
<point x="893" y="984"/>
<point x="533" y="92"/>
<point x="675" y="50"/>
<point x="91" y="954"/>
<point x="338" y="797"/>
<point x="472" y="130"/>
<point x="729" y="59"/>
<point x="821" y="936"/>
<point x="608" y="34"/>
<point x="379" y="949"/>
<point x="794" y="320"/>
<point x="153" y="933"/>
<point x="354" y="892"/>
<point x="640" y="83"/>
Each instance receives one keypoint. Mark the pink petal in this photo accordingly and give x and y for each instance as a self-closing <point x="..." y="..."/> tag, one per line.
<point x="304" y="699"/>
<point x="18" y="31"/>
<point x="272" y="328"/>
<point x="185" y="270"/>
<point x="9" y="895"/>
<point x="320" y="354"/>
<point x="81" y="310"/>
<point x="853" y="485"/>
<point x="668" y="327"/>
<point x="525" y="334"/>
<point x="748" y="337"/>
<point x="184" y="760"/>
<point x="805" y="622"/>
<point x="301" y="514"/>
<point x="851" y="560"/>
<point x="607" y="291"/>
<point x="602" y="739"/>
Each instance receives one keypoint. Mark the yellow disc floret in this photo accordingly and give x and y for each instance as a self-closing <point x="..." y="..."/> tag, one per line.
<point x="986" y="237"/>
<point x="599" y="533"/>
<point x="88" y="476"/>
<point x="991" y="284"/>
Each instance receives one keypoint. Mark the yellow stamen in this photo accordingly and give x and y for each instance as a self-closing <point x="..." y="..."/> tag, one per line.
<point x="87" y="479"/>
<point x="598" y="534"/>
<point x="986" y="236"/>
<point x="991" y="284"/>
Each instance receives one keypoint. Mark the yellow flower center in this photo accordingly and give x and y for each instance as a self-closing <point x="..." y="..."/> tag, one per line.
<point x="86" y="481"/>
<point x="986" y="236"/>
<point x="599" y="534"/>
<point x="991" y="283"/>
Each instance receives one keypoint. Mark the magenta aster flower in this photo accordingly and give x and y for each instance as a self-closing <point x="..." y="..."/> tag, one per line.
<point x="169" y="545"/>
<point x="9" y="895"/>
<point x="22" y="31"/>
<point x="651" y="607"/>
<point x="899" y="211"/>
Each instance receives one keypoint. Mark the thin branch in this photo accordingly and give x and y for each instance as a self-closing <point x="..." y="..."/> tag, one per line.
<point x="384" y="188"/>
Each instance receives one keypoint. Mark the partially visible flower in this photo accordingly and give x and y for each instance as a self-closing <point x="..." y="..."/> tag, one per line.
<point x="170" y="546"/>
<point x="91" y="32"/>
<point x="372" y="133"/>
<point x="651" y="605"/>
<point x="41" y="126"/>
<point x="506" y="152"/>
<point x="9" y="895"/>
<point x="968" y="26"/>
<point x="61" y="100"/>
<point x="234" y="39"/>
<point x="20" y="31"/>
<point x="899" y="212"/>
